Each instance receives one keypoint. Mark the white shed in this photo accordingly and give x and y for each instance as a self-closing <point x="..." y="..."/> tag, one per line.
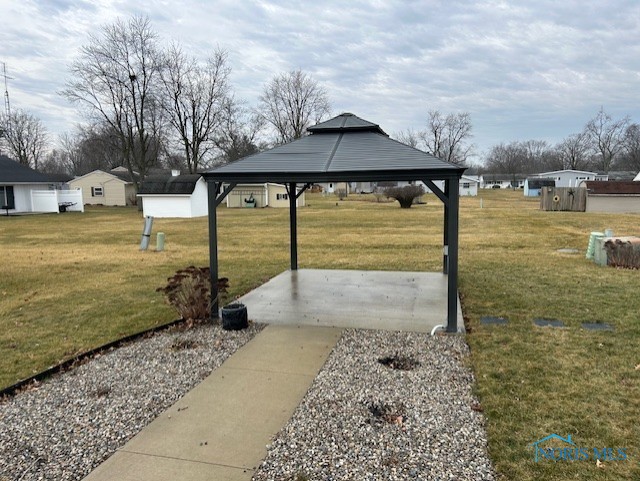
<point x="174" y="196"/>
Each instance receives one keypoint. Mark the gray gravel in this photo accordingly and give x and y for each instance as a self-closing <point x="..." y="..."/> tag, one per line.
<point x="74" y="421"/>
<point x="364" y="421"/>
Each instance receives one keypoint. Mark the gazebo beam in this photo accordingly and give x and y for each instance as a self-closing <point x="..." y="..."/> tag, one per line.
<point x="445" y="230"/>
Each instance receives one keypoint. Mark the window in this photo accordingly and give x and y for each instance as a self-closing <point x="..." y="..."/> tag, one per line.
<point x="7" y="201"/>
<point x="282" y="197"/>
<point x="96" y="192"/>
<point x="466" y="185"/>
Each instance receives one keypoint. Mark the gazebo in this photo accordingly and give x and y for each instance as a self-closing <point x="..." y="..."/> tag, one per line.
<point x="345" y="148"/>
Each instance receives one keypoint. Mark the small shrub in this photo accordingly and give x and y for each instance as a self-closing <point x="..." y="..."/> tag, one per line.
<point x="341" y="193"/>
<point x="405" y="195"/>
<point x="189" y="292"/>
<point x="403" y="363"/>
<point x="386" y="413"/>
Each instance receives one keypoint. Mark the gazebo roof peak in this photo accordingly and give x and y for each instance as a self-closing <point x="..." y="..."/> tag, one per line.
<point x="346" y="122"/>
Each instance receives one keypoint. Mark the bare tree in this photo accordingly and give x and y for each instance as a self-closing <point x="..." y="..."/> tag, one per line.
<point x="115" y="78"/>
<point x="606" y="138"/>
<point x="574" y="152"/>
<point x="507" y="158"/>
<point x="409" y="137"/>
<point x="194" y="100"/>
<point x="446" y="136"/>
<point x="291" y="102"/>
<point x="632" y="147"/>
<point x="24" y="137"/>
<point x="238" y="133"/>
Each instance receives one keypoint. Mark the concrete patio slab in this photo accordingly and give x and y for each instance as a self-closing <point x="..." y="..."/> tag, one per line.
<point x="220" y="429"/>
<point x="411" y="301"/>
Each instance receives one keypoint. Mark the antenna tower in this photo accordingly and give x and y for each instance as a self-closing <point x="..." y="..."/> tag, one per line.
<point x="7" y="105"/>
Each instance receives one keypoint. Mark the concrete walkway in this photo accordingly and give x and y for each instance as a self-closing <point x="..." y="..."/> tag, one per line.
<point x="220" y="429"/>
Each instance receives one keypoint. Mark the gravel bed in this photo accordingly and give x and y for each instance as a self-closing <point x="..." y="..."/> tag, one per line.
<point x="72" y="422"/>
<point x="362" y="420"/>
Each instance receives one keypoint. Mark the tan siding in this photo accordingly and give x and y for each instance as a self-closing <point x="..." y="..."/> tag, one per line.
<point x="112" y="188"/>
<point x="613" y="204"/>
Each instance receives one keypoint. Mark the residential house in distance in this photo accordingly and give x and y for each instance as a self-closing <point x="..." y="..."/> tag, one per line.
<point x="113" y="188"/>
<point x="571" y="178"/>
<point x="502" y="181"/>
<point x="261" y="195"/>
<point x="533" y="185"/>
<point x="621" y="175"/>
<point x="468" y="185"/>
<point x="637" y="178"/>
<point x="23" y="189"/>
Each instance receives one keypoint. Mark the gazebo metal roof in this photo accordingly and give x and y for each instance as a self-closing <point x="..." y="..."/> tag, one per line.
<point x="344" y="148"/>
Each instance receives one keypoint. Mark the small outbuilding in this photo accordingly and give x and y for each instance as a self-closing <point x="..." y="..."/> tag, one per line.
<point x="533" y="186"/>
<point x="174" y="196"/>
<point x="613" y="197"/>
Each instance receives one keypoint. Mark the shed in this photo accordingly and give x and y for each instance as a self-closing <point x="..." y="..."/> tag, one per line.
<point x="174" y="196"/>
<point x="613" y="197"/>
<point x="345" y="148"/>
<point x="533" y="186"/>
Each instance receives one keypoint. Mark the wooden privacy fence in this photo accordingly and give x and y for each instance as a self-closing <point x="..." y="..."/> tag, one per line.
<point x="564" y="198"/>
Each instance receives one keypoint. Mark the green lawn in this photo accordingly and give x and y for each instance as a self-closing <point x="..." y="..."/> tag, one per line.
<point x="70" y="282"/>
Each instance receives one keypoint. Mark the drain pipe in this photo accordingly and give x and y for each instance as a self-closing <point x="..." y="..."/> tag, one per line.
<point x="437" y="328"/>
<point x="146" y="233"/>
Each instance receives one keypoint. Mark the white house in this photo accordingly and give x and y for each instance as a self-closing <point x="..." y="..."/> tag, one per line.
<point x="174" y="196"/>
<point x="571" y="178"/>
<point x="637" y="178"/>
<point x="22" y="189"/>
<point x="501" y="181"/>
<point x="468" y="185"/>
<point x="261" y="195"/>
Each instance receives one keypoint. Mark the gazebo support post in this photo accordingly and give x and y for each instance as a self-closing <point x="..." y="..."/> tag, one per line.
<point x="213" y="188"/>
<point x="445" y="240"/>
<point x="214" y="197"/>
<point x="293" y="223"/>
<point x="452" y="188"/>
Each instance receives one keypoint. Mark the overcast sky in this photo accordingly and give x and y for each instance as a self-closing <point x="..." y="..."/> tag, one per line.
<point x="523" y="70"/>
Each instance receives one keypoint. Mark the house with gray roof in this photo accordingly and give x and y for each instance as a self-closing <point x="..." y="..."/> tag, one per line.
<point x="17" y="184"/>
